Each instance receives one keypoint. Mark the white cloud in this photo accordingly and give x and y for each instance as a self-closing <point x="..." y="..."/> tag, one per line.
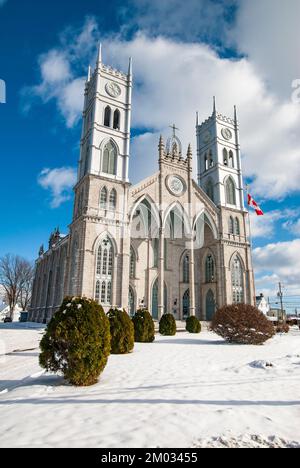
<point x="176" y="79"/>
<point x="293" y="226"/>
<point x="268" y="32"/>
<point x="189" y="20"/>
<point x="278" y="262"/>
<point x="173" y="80"/>
<point x="265" y="226"/>
<point x="61" y="72"/>
<point x="59" y="182"/>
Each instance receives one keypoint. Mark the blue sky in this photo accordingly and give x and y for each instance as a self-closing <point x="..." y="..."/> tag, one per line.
<point x="243" y="51"/>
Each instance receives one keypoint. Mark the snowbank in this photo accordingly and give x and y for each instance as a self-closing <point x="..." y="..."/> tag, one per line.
<point x="182" y="391"/>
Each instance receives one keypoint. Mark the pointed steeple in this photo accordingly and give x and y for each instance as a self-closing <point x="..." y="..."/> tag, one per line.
<point x="161" y="147"/>
<point x="214" y="105"/>
<point x="130" y="67"/>
<point x="197" y="119"/>
<point x="189" y="152"/>
<point x="235" y="115"/>
<point x="99" y="57"/>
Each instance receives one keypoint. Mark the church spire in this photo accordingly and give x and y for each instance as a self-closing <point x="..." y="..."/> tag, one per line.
<point x="130" y="68"/>
<point x="235" y="115"/>
<point x="197" y="119"/>
<point x="99" y="57"/>
<point x="214" y="105"/>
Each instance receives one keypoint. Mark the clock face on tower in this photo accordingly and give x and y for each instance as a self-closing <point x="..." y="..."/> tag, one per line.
<point x="113" y="89"/>
<point x="176" y="185"/>
<point x="226" y="133"/>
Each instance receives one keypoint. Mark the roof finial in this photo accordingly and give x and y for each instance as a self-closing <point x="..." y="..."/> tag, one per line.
<point x="197" y="119"/>
<point x="214" y="105"/>
<point x="130" y="67"/>
<point x="189" y="152"/>
<point x="99" y="58"/>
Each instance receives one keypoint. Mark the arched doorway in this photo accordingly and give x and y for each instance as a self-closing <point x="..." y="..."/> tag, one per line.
<point x="154" y="308"/>
<point x="131" y="302"/>
<point x="186" y="304"/>
<point x="210" y="305"/>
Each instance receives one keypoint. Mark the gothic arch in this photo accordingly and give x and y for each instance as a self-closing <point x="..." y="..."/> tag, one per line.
<point x="230" y="190"/>
<point x="99" y="239"/>
<point x="154" y="209"/>
<point x="109" y="169"/>
<point x="181" y="211"/>
<point x="208" y="219"/>
<point x="237" y="254"/>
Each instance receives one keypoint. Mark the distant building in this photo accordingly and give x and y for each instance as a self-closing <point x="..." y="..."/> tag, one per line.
<point x="262" y="304"/>
<point x="277" y="313"/>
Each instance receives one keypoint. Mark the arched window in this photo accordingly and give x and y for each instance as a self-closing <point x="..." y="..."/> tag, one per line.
<point x="116" y="124"/>
<point x="109" y="160"/>
<point x="107" y="115"/>
<point x="186" y="269"/>
<point x="237" y="227"/>
<point x="231" y="225"/>
<point x="230" y="192"/>
<point x="132" y="263"/>
<point x="97" y="291"/>
<point x="205" y="162"/>
<point x="210" y="190"/>
<point x="104" y="271"/>
<point x="113" y="200"/>
<point x="231" y="160"/>
<point x="103" y="198"/>
<point x="209" y="269"/>
<point x="237" y="281"/>
<point x="225" y="157"/>
<point x="154" y="305"/>
<point x="211" y="159"/>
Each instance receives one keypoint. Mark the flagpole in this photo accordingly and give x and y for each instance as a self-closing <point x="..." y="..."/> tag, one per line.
<point x="250" y="242"/>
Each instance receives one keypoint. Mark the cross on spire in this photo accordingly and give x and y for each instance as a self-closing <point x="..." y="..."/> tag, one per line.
<point x="174" y="128"/>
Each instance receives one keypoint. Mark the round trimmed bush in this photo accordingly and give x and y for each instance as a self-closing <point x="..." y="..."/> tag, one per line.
<point x="242" y="324"/>
<point x="167" y="325"/>
<point x="121" y="330"/>
<point x="193" y="325"/>
<point x="282" y="328"/>
<point x="143" y="327"/>
<point x="77" y="341"/>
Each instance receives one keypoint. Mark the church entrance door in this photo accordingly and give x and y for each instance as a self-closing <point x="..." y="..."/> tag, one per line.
<point x="186" y="304"/>
<point x="210" y="306"/>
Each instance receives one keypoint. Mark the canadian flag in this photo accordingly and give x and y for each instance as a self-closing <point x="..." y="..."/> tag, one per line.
<point x="254" y="205"/>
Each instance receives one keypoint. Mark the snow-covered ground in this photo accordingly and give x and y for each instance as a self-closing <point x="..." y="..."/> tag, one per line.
<point x="182" y="391"/>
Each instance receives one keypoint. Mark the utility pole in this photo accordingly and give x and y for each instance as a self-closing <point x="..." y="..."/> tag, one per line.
<point x="280" y="295"/>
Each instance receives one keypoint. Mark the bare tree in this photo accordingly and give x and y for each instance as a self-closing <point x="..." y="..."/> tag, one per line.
<point x="26" y="288"/>
<point x="14" y="275"/>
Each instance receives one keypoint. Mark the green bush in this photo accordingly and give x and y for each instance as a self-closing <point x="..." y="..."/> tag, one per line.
<point x="193" y="325"/>
<point x="143" y="327"/>
<point x="167" y="325"/>
<point x="122" y="331"/>
<point x="77" y="341"/>
<point x="243" y="324"/>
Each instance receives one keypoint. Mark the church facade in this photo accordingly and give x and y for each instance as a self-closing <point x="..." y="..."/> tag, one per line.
<point x="170" y="243"/>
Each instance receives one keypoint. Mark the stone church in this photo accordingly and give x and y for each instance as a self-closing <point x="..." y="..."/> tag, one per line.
<point x="170" y="243"/>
